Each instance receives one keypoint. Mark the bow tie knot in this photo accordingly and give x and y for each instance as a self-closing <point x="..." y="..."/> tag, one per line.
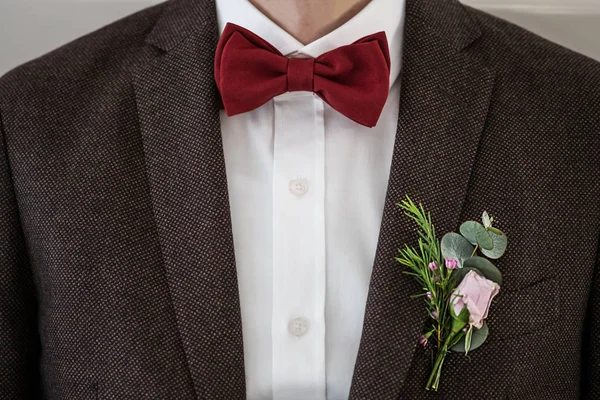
<point x="300" y="73"/>
<point x="352" y="79"/>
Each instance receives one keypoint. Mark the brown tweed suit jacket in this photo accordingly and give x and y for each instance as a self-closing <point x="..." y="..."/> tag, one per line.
<point x="117" y="268"/>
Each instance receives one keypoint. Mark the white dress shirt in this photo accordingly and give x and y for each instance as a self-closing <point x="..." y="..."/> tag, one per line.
<point x="307" y="187"/>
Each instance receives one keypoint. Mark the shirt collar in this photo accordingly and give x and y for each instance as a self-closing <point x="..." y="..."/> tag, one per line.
<point x="376" y="16"/>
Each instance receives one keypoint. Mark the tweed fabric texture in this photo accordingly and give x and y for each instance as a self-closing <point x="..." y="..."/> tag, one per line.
<point x="117" y="266"/>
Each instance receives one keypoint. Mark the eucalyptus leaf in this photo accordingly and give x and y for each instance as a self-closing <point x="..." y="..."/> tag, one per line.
<point x="484" y="239"/>
<point x="477" y="339"/>
<point x="469" y="230"/>
<point x="495" y="230"/>
<point x="476" y="233"/>
<point x="486" y="268"/>
<point x="485" y="218"/>
<point x="456" y="247"/>
<point x="499" y="247"/>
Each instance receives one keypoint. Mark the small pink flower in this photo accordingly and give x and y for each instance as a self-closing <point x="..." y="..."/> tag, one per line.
<point x="429" y="295"/>
<point x="451" y="263"/>
<point x="433" y="265"/>
<point x="436" y="278"/>
<point x="423" y="340"/>
<point x="435" y="314"/>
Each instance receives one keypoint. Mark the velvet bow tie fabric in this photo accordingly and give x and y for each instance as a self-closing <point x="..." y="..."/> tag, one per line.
<point x="353" y="79"/>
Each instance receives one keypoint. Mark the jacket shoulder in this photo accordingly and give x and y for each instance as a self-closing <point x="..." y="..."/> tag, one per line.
<point x="554" y="81"/>
<point x="514" y="43"/>
<point x="102" y="54"/>
<point x="511" y="47"/>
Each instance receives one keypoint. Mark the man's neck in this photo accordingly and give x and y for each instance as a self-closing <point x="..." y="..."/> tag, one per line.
<point x="308" y="20"/>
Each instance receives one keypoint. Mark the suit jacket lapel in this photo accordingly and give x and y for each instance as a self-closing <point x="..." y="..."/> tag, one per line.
<point x="179" y="121"/>
<point x="444" y="102"/>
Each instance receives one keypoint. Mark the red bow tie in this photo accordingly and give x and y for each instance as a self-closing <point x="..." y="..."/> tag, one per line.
<point x="353" y="79"/>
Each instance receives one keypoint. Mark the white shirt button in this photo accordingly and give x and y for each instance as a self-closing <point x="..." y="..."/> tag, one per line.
<point x="298" y="326"/>
<point x="299" y="187"/>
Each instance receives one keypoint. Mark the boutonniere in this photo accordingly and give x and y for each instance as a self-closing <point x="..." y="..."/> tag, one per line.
<point x="458" y="282"/>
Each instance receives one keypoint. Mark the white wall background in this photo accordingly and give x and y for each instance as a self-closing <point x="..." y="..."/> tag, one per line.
<point x="29" y="28"/>
<point x="572" y="23"/>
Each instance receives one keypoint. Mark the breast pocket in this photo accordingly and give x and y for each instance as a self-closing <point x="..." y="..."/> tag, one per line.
<point x="525" y="310"/>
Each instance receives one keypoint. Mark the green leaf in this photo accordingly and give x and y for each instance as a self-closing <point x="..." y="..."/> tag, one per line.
<point x="462" y="316"/>
<point x="484" y="239"/>
<point x="485" y="218"/>
<point x="457" y="247"/>
<point x="477" y="338"/>
<point x="469" y="230"/>
<point x="476" y="233"/>
<point x="459" y="321"/>
<point x="468" y="338"/>
<point x="485" y="267"/>
<point x="499" y="247"/>
<point x="495" y="230"/>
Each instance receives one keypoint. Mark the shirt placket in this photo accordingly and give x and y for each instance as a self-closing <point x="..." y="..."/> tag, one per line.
<point x="298" y="318"/>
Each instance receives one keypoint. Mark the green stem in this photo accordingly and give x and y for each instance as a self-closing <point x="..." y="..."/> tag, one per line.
<point x="436" y="382"/>
<point x="436" y="372"/>
<point x="475" y="250"/>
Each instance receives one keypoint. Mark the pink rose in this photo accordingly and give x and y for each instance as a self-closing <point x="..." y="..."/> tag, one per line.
<point x="476" y="293"/>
